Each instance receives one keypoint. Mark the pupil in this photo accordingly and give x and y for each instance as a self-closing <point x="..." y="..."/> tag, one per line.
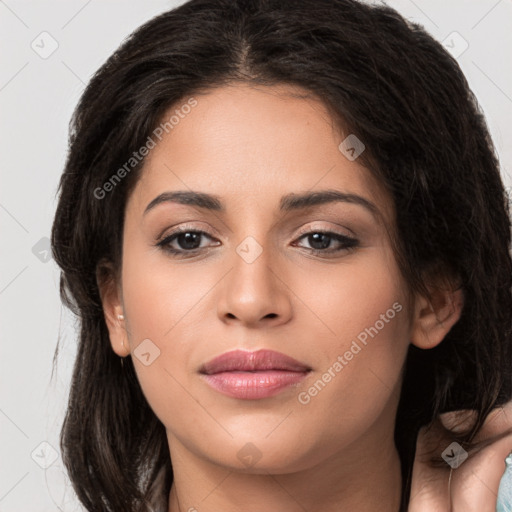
<point x="320" y="236"/>
<point x="189" y="238"/>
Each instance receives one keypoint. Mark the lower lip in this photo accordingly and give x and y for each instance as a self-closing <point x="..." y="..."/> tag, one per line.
<point x="254" y="385"/>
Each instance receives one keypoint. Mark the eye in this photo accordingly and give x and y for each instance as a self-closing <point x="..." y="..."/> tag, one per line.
<point x="187" y="241"/>
<point x="320" y="241"/>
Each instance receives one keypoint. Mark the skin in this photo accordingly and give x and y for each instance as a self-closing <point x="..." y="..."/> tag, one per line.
<point x="251" y="146"/>
<point x="473" y="486"/>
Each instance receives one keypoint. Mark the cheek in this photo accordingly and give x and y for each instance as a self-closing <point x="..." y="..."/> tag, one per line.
<point x="361" y="366"/>
<point x="364" y="301"/>
<point x="159" y="296"/>
<point x="164" y="305"/>
<point x="365" y="321"/>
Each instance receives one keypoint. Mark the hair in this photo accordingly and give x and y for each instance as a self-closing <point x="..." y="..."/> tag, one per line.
<point x="386" y="80"/>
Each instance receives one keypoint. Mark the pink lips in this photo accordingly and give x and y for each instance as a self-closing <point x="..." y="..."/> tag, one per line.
<point x="253" y="375"/>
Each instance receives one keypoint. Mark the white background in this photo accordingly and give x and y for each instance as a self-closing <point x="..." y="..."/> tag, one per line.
<point x="37" y="97"/>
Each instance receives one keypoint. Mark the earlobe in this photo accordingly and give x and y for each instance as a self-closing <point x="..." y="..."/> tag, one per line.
<point x="435" y="317"/>
<point x="112" y="308"/>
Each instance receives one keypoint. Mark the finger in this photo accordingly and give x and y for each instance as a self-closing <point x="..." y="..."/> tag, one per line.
<point x="499" y="420"/>
<point x="474" y="485"/>
<point x="457" y="421"/>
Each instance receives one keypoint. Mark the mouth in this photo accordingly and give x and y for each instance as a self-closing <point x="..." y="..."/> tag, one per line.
<point x="253" y="375"/>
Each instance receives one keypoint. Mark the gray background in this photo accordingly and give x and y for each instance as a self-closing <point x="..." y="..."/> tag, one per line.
<point x="37" y="95"/>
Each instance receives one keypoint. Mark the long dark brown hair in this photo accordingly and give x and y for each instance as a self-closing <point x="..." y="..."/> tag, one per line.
<point x="385" y="80"/>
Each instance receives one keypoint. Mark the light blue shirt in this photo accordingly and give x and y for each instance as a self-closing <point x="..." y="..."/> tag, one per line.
<point x="504" y="503"/>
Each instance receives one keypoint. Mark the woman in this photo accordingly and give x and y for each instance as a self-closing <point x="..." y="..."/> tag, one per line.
<point x="290" y="215"/>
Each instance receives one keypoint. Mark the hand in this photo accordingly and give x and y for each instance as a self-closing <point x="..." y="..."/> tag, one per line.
<point x="474" y="484"/>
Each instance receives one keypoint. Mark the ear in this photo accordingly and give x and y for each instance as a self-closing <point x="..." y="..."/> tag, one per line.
<point x="435" y="316"/>
<point x="110" y="294"/>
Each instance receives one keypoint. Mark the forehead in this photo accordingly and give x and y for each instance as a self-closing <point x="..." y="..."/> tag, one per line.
<point x="251" y="146"/>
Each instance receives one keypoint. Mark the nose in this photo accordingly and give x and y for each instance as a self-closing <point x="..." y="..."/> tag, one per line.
<point x="255" y="293"/>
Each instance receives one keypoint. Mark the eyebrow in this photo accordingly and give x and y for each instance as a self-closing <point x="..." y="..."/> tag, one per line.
<point x="289" y="202"/>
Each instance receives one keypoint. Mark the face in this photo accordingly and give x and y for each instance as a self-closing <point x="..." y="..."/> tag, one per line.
<point x="253" y="271"/>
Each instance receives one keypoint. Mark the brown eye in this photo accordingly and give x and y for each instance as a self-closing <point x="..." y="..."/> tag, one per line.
<point x="320" y="241"/>
<point x="183" y="241"/>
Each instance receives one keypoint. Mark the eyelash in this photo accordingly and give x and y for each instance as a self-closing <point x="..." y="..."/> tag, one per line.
<point x="347" y="243"/>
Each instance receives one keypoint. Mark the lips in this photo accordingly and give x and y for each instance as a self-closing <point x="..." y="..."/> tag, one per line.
<point x="253" y="375"/>
<point x="245" y="361"/>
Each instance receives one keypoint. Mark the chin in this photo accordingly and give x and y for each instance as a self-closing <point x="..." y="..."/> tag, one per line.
<point x="259" y="455"/>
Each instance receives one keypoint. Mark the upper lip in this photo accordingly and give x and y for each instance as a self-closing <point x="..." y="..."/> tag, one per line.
<point x="260" y="360"/>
